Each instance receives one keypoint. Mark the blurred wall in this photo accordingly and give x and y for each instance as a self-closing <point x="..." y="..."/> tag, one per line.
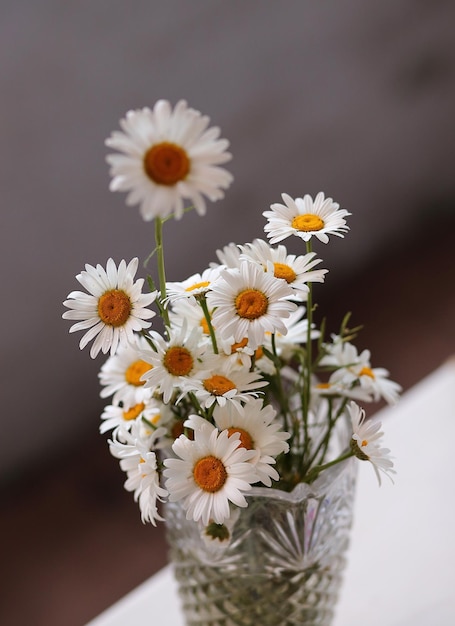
<point x="354" y="98"/>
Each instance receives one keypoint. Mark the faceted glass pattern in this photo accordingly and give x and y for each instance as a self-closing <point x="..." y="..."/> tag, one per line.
<point x="283" y="565"/>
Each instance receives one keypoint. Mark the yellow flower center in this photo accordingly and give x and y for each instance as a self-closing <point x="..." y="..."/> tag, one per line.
<point x="114" y="307"/>
<point x="251" y="304"/>
<point x="201" y="285"/>
<point x="259" y="353"/>
<point x="357" y="451"/>
<point x="281" y="270"/>
<point x="307" y="222"/>
<point x="246" y="441"/>
<point x="209" y="474"/>
<point x="133" y="412"/>
<point x="239" y="345"/>
<point x="178" y="361"/>
<point x="166" y="163"/>
<point x="367" y="371"/>
<point x="135" y="371"/>
<point x="205" y="326"/>
<point x="155" y="419"/>
<point x="323" y="386"/>
<point x="218" y="385"/>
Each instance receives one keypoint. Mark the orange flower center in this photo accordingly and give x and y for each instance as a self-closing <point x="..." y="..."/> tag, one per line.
<point x="218" y="385"/>
<point x="281" y="270"/>
<point x="307" y="222"/>
<point x="135" y="371"/>
<point x="367" y="371"/>
<point x="239" y="345"/>
<point x="259" y="353"/>
<point x="251" y="304"/>
<point x="246" y="440"/>
<point x="201" y="285"/>
<point x="133" y="412"/>
<point x="209" y="474"/>
<point x="205" y="326"/>
<point x="323" y="386"/>
<point x="166" y="163"/>
<point x="114" y="307"/>
<point x="178" y="361"/>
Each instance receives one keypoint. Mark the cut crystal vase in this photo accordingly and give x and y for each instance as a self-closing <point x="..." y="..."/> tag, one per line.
<point x="282" y="563"/>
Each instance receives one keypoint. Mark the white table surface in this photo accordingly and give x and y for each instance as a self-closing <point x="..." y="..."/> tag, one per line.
<point x="401" y="562"/>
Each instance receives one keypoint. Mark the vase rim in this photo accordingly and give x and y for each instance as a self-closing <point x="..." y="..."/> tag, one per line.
<point x="304" y="490"/>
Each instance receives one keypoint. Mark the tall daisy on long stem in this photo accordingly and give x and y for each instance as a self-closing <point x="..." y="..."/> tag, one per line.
<point x="166" y="155"/>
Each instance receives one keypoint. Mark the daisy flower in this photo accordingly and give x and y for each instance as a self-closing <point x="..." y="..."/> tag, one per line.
<point x="120" y="417"/>
<point x="217" y="537"/>
<point x="121" y="375"/>
<point x="224" y="384"/>
<point x="166" y="155"/>
<point x="189" y="312"/>
<point x="305" y="217"/>
<point x="175" y="360"/>
<point x="140" y="464"/>
<point x="365" y="442"/>
<point x="229" y="256"/>
<point x="297" y="271"/>
<point x="196" y="285"/>
<point x="211" y="471"/>
<point x="238" y="353"/>
<point x="355" y="369"/>
<point x="297" y="334"/>
<point x="258" y="431"/>
<point x="113" y="309"/>
<point x="249" y="302"/>
<point x="115" y="417"/>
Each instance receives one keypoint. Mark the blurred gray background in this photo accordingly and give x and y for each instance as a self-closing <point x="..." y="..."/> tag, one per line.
<point x="353" y="98"/>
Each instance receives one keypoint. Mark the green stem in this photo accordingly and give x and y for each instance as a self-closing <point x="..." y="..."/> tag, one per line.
<point x="309" y="369"/>
<point x="208" y="319"/>
<point x="315" y="471"/>
<point x="161" y="269"/>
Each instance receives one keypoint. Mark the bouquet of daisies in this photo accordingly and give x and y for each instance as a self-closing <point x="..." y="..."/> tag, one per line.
<point x="241" y="389"/>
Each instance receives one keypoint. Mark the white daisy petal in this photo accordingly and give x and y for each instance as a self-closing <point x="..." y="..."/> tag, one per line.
<point x="114" y="311"/>
<point x="305" y="218"/>
<point x="170" y="156"/>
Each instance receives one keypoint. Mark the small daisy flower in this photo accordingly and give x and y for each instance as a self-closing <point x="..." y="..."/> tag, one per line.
<point x="121" y="375"/>
<point x="192" y="287"/>
<point x="305" y="218"/>
<point x="116" y="417"/>
<point x="365" y="442"/>
<point x="224" y="384"/>
<point x="258" y="431"/>
<point x="166" y="155"/>
<point x="297" y="334"/>
<point x="339" y="389"/>
<point x="121" y="417"/>
<point x="229" y="256"/>
<point x="217" y="537"/>
<point x="175" y="360"/>
<point x="297" y="271"/>
<point x="249" y="302"/>
<point x="355" y="369"/>
<point x="140" y="464"/>
<point x="189" y="312"/>
<point x="238" y="353"/>
<point x="113" y="309"/>
<point x="212" y="470"/>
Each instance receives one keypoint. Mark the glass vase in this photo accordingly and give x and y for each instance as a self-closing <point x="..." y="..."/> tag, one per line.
<point x="282" y="563"/>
